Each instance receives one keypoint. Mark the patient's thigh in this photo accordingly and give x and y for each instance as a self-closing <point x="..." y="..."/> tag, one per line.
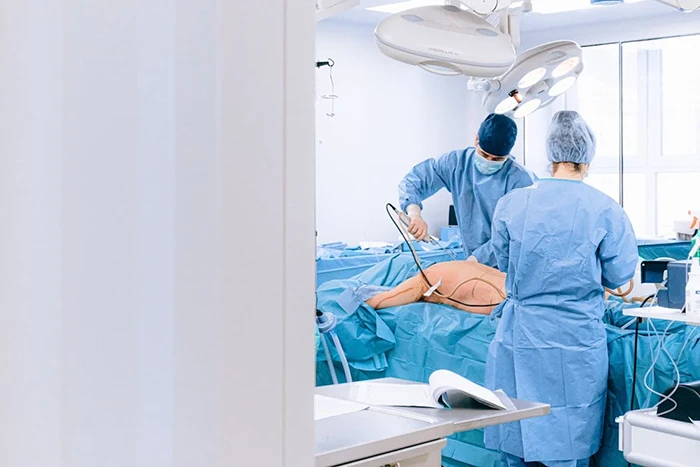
<point x="463" y="281"/>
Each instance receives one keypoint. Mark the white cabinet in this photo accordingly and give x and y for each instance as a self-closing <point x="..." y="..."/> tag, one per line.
<point x="648" y="440"/>
<point x="423" y="455"/>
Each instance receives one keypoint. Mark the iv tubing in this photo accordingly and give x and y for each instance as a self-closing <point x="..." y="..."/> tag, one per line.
<point x="343" y="359"/>
<point x="329" y="360"/>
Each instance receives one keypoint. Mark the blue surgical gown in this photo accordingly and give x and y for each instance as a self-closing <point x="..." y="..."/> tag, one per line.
<point x="560" y="242"/>
<point x="474" y="194"/>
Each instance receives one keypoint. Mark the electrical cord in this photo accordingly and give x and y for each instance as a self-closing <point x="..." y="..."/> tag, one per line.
<point x="389" y="208"/>
<point x="687" y="341"/>
<point x="619" y="293"/>
<point x="636" y="349"/>
<point x="674" y="362"/>
<point x="652" y="368"/>
<point x="662" y="347"/>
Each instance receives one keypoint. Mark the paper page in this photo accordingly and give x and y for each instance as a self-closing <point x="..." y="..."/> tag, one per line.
<point x="506" y="400"/>
<point x="327" y="407"/>
<point x="444" y="381"/>
<point x="394" y="395"/>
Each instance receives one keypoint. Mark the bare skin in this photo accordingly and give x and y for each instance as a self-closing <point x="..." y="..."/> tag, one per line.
<point x="464" y="281"/>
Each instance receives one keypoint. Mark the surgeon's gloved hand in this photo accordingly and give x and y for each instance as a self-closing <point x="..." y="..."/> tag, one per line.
<point x="417" y="227"/>
<point x="473" y="259"/>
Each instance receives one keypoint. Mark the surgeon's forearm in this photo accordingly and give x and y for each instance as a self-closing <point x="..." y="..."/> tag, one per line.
<point x="410" y="192"/>
<point x="422" y="182"/>
<point x="409" y="195"/>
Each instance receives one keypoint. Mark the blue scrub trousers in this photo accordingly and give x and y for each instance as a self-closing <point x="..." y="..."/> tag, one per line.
<point x="512" y="461"/>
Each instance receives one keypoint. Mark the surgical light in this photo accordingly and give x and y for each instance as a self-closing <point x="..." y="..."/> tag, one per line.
<point x="532" y="78"/>
<point x="562" y="86"/>
<point x="527" y="108"/>
<point x="452" y="41"/>
<point x="483" y="7"/>
<point x="446" y="40"/>
<point x="526" y="82"/>
<point x="566" y="67"/>
<point x="506" y="105"/>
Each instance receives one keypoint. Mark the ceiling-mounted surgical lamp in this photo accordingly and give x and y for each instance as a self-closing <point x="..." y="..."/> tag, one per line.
<point x="535" y="80"/>
<point x="451" y="41"/>
<point x="446" y="40"/>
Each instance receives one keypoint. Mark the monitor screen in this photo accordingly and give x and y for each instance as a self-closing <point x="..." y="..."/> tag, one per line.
<point x="452" y="221"/>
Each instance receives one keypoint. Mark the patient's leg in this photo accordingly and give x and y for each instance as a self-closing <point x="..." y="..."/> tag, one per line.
<point x="462" y="281"/>
<point x="468" y="283"/>
<point x="409" y="291"/>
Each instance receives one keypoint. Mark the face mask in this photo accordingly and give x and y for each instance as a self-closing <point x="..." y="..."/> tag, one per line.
<point x="486" y="166"/>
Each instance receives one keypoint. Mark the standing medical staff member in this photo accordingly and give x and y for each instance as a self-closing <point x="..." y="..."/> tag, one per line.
<point x="561" y="242"/>
<point x="477" y="177"/>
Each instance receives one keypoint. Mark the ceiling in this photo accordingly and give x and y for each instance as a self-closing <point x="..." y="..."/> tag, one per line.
<point x="551" y="16"/>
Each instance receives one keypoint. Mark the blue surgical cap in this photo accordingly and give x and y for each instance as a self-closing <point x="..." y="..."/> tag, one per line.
<point x="497" y="135"/>
<point x="570" y="139"/>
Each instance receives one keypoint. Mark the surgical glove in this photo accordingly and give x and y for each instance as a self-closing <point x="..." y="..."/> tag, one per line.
<point x="473" y="259"/>
<point x="417" y="227"/>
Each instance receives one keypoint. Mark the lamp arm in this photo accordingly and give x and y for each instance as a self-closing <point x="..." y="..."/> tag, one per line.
<point x="483" y="85"/>
<point x="482" y="7"/>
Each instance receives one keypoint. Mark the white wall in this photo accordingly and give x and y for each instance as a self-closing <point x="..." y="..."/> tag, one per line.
<point x="139" y="142"/>
<point x="389" y="117"/>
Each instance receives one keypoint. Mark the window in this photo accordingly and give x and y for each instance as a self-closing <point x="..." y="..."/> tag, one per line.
<point x="660" y="128"/>
<point x="596" y="97"/>
<point x="607" y="183"/>
<point x="680" y="104"/>
<point x="677" y="194"/>
<point x="636" y="202"/>
<point x="663" y="114"/>
<point x="632" y="116"/>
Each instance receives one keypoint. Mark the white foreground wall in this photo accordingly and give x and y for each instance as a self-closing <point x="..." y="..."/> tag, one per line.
<point x="140" y="142"/>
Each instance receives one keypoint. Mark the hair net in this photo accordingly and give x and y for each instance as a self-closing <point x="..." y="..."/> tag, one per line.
<point x="497" y="135"/>
<point x="570" y="139"/>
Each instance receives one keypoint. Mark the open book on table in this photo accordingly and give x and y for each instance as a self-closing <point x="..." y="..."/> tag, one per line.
<point x="445" y="389"/>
